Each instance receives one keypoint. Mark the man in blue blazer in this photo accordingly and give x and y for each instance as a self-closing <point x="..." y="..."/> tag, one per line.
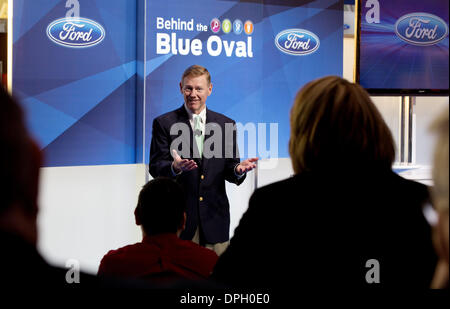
<point x="198" y="147"/>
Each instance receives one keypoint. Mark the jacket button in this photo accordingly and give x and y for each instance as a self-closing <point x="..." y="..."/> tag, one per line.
<point x="201" y="199"/>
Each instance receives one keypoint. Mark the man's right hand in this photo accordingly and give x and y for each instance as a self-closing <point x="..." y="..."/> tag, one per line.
<point x="182" y="165"/>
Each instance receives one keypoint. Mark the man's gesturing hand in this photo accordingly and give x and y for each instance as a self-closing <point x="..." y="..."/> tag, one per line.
<point x="246" y="166"/>
<point x="182" y="165"/>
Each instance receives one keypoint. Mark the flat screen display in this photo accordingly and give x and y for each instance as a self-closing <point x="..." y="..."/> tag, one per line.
<point x="402" y="47"/>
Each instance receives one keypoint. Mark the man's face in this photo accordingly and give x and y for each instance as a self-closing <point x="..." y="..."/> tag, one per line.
<point x="195" y="91"/>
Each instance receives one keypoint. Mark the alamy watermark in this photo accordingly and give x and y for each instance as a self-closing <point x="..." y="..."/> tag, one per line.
<point x="373" y="274"/>
<point x="73" y="272"/>
<point x="74" y="9"/>
<point x="253" y="140"/>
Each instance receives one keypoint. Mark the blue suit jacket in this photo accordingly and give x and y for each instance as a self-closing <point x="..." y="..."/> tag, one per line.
<point x="207" y="202"/>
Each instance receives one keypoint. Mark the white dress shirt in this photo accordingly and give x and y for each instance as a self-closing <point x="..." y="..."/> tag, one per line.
<point x="202" y="127"/>
<point x="202" y="119"/>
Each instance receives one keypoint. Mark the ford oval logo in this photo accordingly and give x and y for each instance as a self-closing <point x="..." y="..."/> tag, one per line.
<point x="75" y="32"/>
<point x="297" y="42"/>
<point x="421" y="29"/>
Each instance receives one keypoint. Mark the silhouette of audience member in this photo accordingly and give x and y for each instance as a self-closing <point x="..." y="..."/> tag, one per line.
<point x="20" y="159"/>
<point x="162" y="257"/>
<point x="22" y="265"/>
<point x="440" y="198"/>
<point x="345" y="219"/>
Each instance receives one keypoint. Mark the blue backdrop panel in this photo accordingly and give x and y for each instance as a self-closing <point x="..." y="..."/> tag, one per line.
<point x="80" y="102"/>
<point x="256" y="84"/>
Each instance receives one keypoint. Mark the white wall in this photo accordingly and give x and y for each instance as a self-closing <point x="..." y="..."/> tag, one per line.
<point x="86" y="211"/>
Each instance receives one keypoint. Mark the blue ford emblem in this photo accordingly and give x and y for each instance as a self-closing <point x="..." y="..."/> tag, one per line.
<point x="297" y="42"/>
<point x="421" y="29"/>
<point x="75" y="32"/>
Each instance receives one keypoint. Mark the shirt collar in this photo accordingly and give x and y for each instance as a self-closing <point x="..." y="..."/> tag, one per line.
<point x="191" y="114"/>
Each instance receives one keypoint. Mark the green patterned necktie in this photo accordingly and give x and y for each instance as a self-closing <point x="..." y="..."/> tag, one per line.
<point x="198" y="134"/>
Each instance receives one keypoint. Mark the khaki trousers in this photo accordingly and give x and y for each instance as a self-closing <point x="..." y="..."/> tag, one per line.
<point x="218" y="248"/>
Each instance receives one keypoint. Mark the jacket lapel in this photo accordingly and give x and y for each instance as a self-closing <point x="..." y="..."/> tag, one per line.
<point x="209" y="119"/>
<point x="183" y="117"/>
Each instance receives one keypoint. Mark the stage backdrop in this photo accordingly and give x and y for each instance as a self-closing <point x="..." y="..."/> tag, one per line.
<point x="77" y="78"/>
<point x="93" y="74"/>
<point x="259" y="54"/>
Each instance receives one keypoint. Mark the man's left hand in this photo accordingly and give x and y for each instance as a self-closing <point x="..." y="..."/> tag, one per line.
<point x="246" y="166"/>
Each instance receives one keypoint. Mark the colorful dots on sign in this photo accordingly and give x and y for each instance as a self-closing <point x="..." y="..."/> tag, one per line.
<point x="248" y="27"/>
<point x="215" y="25"/>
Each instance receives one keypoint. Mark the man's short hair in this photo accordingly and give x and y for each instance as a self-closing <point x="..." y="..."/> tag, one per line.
<point x="334" y="123"/>
<point x="20" y="158"/>
<point x="195" y="71"/>
<point x="161" y="206"/>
